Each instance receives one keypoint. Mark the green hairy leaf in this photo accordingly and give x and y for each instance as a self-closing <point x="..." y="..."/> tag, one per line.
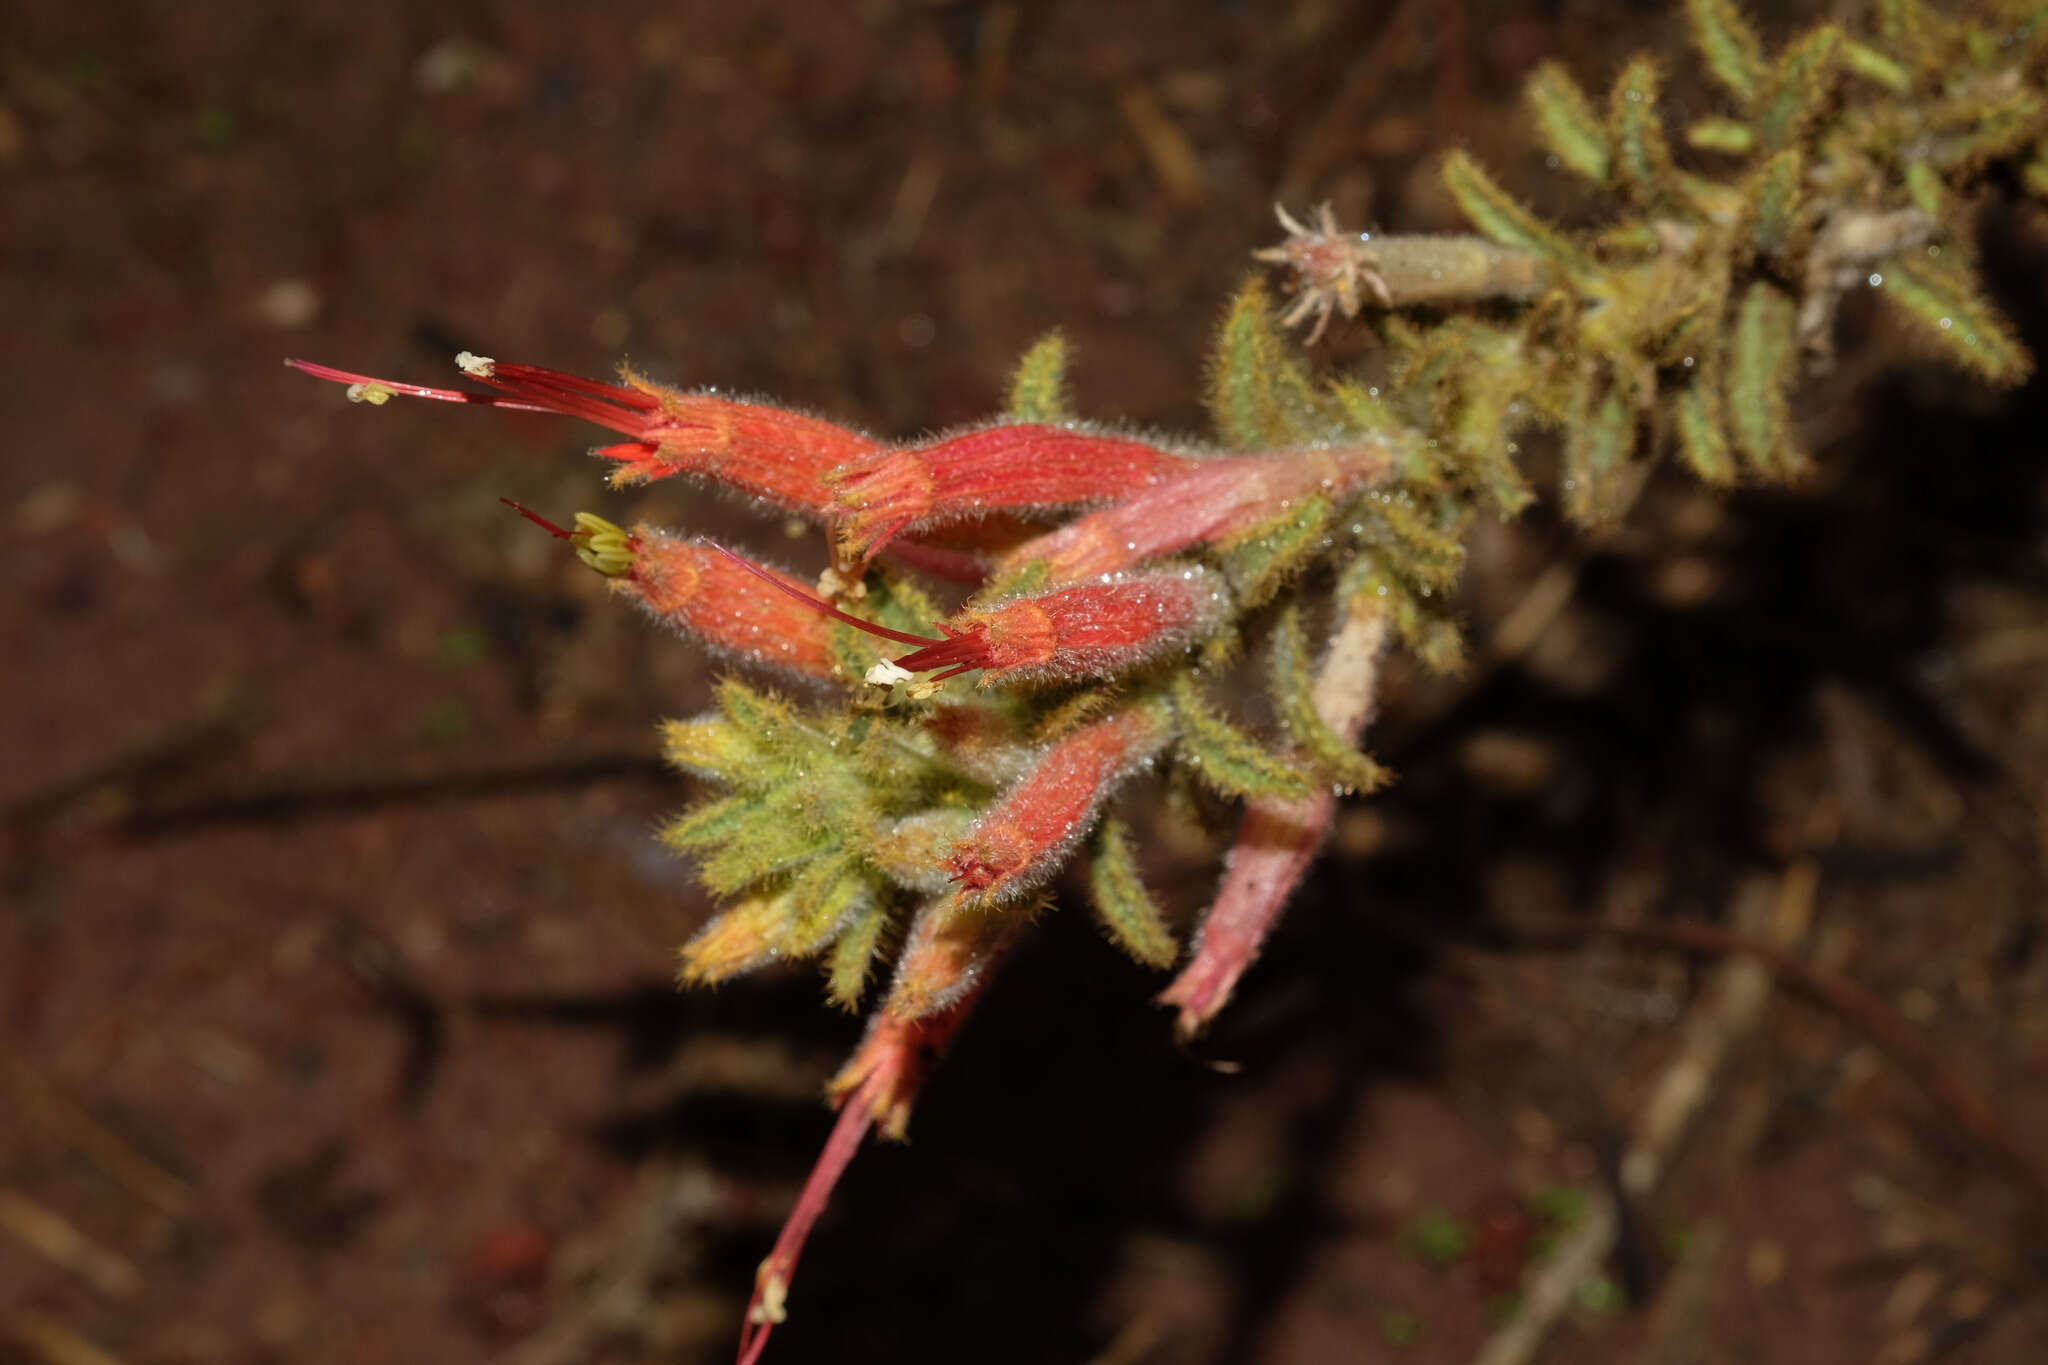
<point x="1126" y="908"/>
<point x="1292" y="673"/>
<point x="1642" y="155"/>
<point x="1258" y="397"/>
<point x="1596" y="446"/>
<point x="854" y="952"/>
<point x="1780" y="227"/>
<point x="1495" y="213"/>
<point x="1728" y="46"/>
<point x="1760" y="361"/>
<point x="1566" y="123"/>
<point x="1724" y="135"/>
<point x="1227" y="759"/>
<point x="1038" y="388"/>
<point x="1261" y="562"/>
<point x="1872" y="65"/>
<point x="1946" y="310"/>
<point x="1800" y="88"/>
<point x="1417" y="617"/>
<point x="1702" y="431"/>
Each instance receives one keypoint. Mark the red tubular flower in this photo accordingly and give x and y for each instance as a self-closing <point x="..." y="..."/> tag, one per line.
<point x="705" y="591"/>
<point x="1025" y="836"/>
<point x="1278" y="840"/>
<point x="768" y="453"/>
<point x="1209" y="502"/>
<point x="1276" y="844"/>
<point x="696" y="587"/>
<point x="1012" y="466"/>
<point x="1094" y="631"/>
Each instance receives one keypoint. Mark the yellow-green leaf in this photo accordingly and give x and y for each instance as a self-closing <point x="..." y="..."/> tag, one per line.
<point x="1945" y="308"/>
<point x="1566" y="123"/>
<point x="1038" y="389"/>
<point x="1127" y="909"/>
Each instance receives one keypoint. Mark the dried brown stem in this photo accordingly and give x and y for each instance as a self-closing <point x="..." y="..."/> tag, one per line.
<point x="1726" y="1014"/>
<point x="1855" y="1006"/>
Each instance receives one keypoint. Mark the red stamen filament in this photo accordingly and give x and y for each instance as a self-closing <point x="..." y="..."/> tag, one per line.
<point x="538" y="520"/>
<point x="960" y="651"/>
<point x="532" y="389"/>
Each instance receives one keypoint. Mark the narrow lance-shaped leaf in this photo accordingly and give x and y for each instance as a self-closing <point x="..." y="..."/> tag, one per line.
<point x="1702" y="433"/>
<point x="1596" y="446"/>
<point x="1495" y="213"/>
<point x="1779" y="224"/>
<point x="1989" y="132"/>
<point x="1489" y="376"/>
<point x="1258" y="397"/>
<point x="854" y="952"/>
<point x="739" y="938"/>
<point x="1293" y="674"/>
<point x="1762" y="350"/>
<point x="1642" y="154"/>
<point x="1875" y="67"/>
<point x="1728" y="46"/>
<point x="1423" y="550"/>
<point x="711" y="746"/>
<point x="824" y="896"/>
<point x="1260" y="562"/>
<point x="1801" y="87"/>
<point x="1731" y="137"/>
<point x="1947" y="311"/>
<point x="1435" y="640"/>
<point x="1225" y="757"/>
<point x="772" y="837"/>
<point x="1924" y="187"/>
<point x="1566" y="123"/>
<point x="1127" y="909"/>
<point x="1038" y="388"/>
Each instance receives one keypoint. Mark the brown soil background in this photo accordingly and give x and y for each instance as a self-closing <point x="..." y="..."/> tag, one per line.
<point x="334" y="950"/>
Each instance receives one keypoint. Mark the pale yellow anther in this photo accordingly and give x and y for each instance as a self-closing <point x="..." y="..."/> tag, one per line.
<point x="774" y="1304"/>
<point x="603" y="545"/>
<point x="833" y="584"/>
<point x="475" y="366"/>
<point x="375" y="394"/>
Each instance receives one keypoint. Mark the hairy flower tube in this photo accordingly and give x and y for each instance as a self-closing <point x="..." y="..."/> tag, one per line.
<point x="1026" y="835"/>
<point x="1208" y="503"/>
<point x="773" y="454"/>
<point x="704" y="591"/>
<point x="1002" y="467"/>
<point x="1096" y="631"/>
